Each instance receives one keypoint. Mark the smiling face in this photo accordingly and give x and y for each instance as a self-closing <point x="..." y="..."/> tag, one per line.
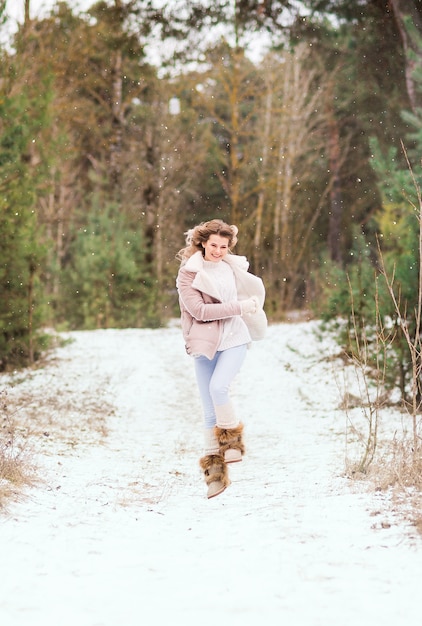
<point x="216" y="248"/>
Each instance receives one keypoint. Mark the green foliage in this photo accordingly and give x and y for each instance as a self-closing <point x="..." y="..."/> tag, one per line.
<point x="359" y="295"/>
<point x="104" y="282"/>
<point x="351" y="289"/>
<point x="398" y="227"/>
<point x="362" y="296"/>
<point x="21" y="253"/>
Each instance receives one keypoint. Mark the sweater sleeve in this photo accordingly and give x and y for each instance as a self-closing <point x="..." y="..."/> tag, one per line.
<point x="194" y="303"/>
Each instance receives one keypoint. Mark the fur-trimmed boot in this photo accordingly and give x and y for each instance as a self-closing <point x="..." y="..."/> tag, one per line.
<point x="231" y="443"/>
<point x="216" y="474"/>
<point x="229" y="433"/>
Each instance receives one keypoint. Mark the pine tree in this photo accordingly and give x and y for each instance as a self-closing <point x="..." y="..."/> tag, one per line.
<point x="104" y="280"/>
<point x="21" y="252"/>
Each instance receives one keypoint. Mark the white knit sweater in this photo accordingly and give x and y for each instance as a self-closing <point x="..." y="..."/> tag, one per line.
<point x="235" y="331"/>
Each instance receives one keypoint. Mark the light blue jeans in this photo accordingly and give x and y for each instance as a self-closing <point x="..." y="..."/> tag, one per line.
<point x="214" y="378"/>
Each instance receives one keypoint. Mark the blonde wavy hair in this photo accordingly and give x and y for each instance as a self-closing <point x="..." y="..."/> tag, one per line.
<point x="200" y="234"/>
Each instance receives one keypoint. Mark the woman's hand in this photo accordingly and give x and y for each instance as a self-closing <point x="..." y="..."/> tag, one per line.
<point x="249" y="306"/>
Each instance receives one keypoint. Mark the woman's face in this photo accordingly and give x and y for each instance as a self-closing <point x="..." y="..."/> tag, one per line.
<point x="216" y="248"/>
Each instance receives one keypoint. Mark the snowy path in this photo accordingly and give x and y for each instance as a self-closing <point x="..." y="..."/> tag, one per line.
<point x="121" y="533"/>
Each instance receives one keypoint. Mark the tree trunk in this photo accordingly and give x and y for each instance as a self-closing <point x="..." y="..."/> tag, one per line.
<point x="117" y="121"/>
<point x="261" y="182"/>
<point x="27" y="17"/>
<point x="235" y="175"/>
<point x="336" y="204"/>
<point x="409" y="24"/>
<point x="32" y="269"/>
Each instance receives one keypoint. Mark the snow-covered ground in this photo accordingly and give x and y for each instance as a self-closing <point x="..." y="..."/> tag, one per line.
<point x="119" y="531"/>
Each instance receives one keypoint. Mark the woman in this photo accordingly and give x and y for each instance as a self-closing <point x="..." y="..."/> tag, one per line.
<point x="221" y="306"/>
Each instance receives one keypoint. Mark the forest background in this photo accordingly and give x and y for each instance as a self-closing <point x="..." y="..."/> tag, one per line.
<point x="107" y="157"/>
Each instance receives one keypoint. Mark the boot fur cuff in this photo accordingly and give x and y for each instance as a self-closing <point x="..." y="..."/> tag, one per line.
<point x="230" y="438"/>
<point x="214" y="469"/>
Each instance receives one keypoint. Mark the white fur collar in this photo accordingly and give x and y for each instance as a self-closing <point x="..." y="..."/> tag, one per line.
<point x="196" y="262"/>
<point x="203" y="281"/>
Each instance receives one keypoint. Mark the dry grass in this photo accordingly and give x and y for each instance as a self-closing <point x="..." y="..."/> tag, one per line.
<point x="48" y="416"/>
<point x="400" y="467"/>
<point x="395" y="470"/>
<point x="16" y="464"/>
<point x="59" y="411"/>
<point x="380" y="442"/>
